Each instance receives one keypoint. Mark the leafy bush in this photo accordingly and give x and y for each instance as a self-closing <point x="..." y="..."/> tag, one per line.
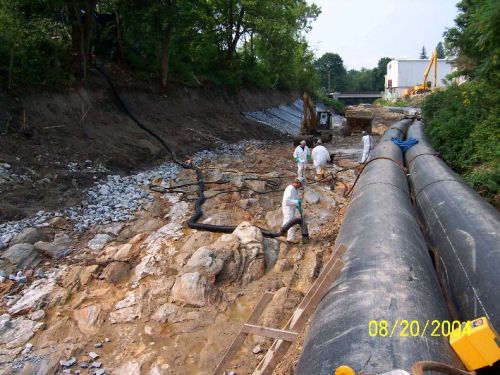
<point x="337" y="105"/>
<point x="388" y="103"/>
<point x="463" y="125"/>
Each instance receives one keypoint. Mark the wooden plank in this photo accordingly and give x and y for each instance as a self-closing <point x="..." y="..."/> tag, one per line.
<point x="338" y="253"/>
<point x="240" y="338"/>
<point x="274" y="333"/>
<point x="299" y="320"/>
<point x="304" y="310"/>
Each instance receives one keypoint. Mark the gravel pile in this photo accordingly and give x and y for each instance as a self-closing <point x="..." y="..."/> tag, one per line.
<point x="117" y="198"/>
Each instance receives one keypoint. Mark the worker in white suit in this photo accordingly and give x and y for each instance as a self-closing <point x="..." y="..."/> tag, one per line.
<point x="301" y="155"/>
<point x="367" y="146"/>
<point x="320" y="157"/>
<point x="291" y="203"/>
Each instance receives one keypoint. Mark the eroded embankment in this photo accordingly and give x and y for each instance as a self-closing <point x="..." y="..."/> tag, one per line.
<point x="57" y="143"/>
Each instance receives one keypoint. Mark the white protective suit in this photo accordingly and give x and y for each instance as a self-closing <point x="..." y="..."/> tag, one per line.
<point x="320" y="156"/>
<point x="367" y="147"/>
<point x="289" y="205"/>
<point x="301" y="154"/>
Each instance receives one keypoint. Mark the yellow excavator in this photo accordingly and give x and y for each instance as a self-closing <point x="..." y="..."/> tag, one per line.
<point x="425" y="87"/>
<point x="314" y="123"/>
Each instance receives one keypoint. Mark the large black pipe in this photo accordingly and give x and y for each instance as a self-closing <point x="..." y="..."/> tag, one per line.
<point x="388" y="276"/>
<point x="462" y="229"/>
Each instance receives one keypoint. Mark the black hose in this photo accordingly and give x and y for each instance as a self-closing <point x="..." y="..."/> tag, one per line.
<point x="198" y="211"/>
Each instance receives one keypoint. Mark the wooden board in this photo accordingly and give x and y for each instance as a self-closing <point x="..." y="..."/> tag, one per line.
<point x="238" y="341"/>
<point x="307" y="306"/>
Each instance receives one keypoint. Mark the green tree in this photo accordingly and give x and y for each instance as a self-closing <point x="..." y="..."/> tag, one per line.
<point x="440" y="51"/>
<point x="331" y="71"/>
<point x="423" y="53"/>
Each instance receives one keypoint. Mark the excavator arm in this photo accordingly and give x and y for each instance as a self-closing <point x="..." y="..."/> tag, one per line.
<point x="309" y="117"/>
<point x="433" y="61"/>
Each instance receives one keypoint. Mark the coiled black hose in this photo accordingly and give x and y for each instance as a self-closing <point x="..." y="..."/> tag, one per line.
<point x="198" y="211"/>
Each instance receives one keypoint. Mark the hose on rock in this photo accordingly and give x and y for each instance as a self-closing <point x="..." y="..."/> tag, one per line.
<point x="198" y="211"/>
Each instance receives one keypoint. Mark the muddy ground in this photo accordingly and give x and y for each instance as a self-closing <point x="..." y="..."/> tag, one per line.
<point x="59" y="142"/>
<point x="158" y="298"/>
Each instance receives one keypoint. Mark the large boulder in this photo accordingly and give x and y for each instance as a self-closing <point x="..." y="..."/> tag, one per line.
<point x="271" y="251"/>
<point x="275" y="218"/>
<point x="99" y="241"/>
<point x="115" y="272"/>
<point x="15" y="333"/>
<point x="20" y="257"/>
<point x="58" y="248"/>
<point x="311" y="196"/>
<point x="29" y="235"/>
<point x="89" y="319"/>
<point x="194" y="289"/>
<point x="252" y="251"/>
<point x="42" y="293"/>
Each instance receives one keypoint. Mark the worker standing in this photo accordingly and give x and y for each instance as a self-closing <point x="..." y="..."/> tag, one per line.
<point x="320" y="157"/>
<point x="301" y="155"/>
<point x="367" y="146"/>
<point x="291" y="202"/>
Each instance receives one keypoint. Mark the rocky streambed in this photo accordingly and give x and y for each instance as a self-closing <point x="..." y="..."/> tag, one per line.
<point x="121" y="285"/>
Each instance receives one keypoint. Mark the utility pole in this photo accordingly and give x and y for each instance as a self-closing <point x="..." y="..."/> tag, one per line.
<point x="329" y="90"/>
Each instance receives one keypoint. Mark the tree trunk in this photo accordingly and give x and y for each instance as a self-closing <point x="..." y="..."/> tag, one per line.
<point x="165" y="52"/>
<point x="81" y="34"/>
<point x="234" y="42"/>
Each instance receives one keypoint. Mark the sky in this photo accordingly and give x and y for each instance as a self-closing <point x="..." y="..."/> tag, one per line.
<point x="363" y="31"/>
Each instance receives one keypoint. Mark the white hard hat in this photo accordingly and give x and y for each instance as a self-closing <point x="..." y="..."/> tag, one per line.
<point x="301" y="180"/>
<point x="302" y="142"/>
<point x="319" y="141"/>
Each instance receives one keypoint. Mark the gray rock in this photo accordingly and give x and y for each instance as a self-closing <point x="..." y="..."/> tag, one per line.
<point x="115" y="272"/>
<point x="93" y="355"/>
<point x="311" y="196"/>
<point x="271" y="251"/>
<point x="100" y="372"/>
<point x="16" y="332"/>
<point x="99" y="241"/>
<point x="96" y="364"/>
<point x="29" y="235"/>
<point x="83" y="365"/>
<point x="257" y="349"/>
<point x="68" y="363"/>
<point x="58" y="248"/>
<point x="21" y="256"/>
<point x="98" y="345"/>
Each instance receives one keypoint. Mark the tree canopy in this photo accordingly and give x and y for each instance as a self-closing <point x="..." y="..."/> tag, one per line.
<point x="463" y="120"/>
<point x="423" y="54"/>
<point x="330" y="67"/>
<point x="227" y="42"/>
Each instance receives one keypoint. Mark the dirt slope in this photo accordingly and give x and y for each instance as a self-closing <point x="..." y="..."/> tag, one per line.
<point x="85" y="126"/>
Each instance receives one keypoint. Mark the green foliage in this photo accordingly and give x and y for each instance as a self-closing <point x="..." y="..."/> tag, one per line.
<point x="336" y="105"/>
<point x="331" y="71"/>
<point x="236" y="43"/>
<point x="388" y="103"/>
<point x="463" y="124"/>
<point x="440" y="51"/>
<point x="32" y="44"/>
<point x="463" y="121"/>
<point x="353" y="81"/>
<point x="474" y="39"/>
<point x="423" y="53"/>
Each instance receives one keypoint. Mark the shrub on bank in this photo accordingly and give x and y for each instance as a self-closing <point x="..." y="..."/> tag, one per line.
<point x="463" y="124"/>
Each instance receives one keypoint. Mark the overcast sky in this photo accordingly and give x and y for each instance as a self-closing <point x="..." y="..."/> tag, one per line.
<point x="362" y="31"/>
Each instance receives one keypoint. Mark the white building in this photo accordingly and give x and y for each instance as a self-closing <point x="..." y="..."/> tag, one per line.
<point x="403" y="75"/>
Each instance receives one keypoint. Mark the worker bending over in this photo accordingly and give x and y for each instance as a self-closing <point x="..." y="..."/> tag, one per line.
<point x="292" y="202"/>
<point x="367" y="146"/>
<point x="320" y="157"/>
<point x="301" y="155"/>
